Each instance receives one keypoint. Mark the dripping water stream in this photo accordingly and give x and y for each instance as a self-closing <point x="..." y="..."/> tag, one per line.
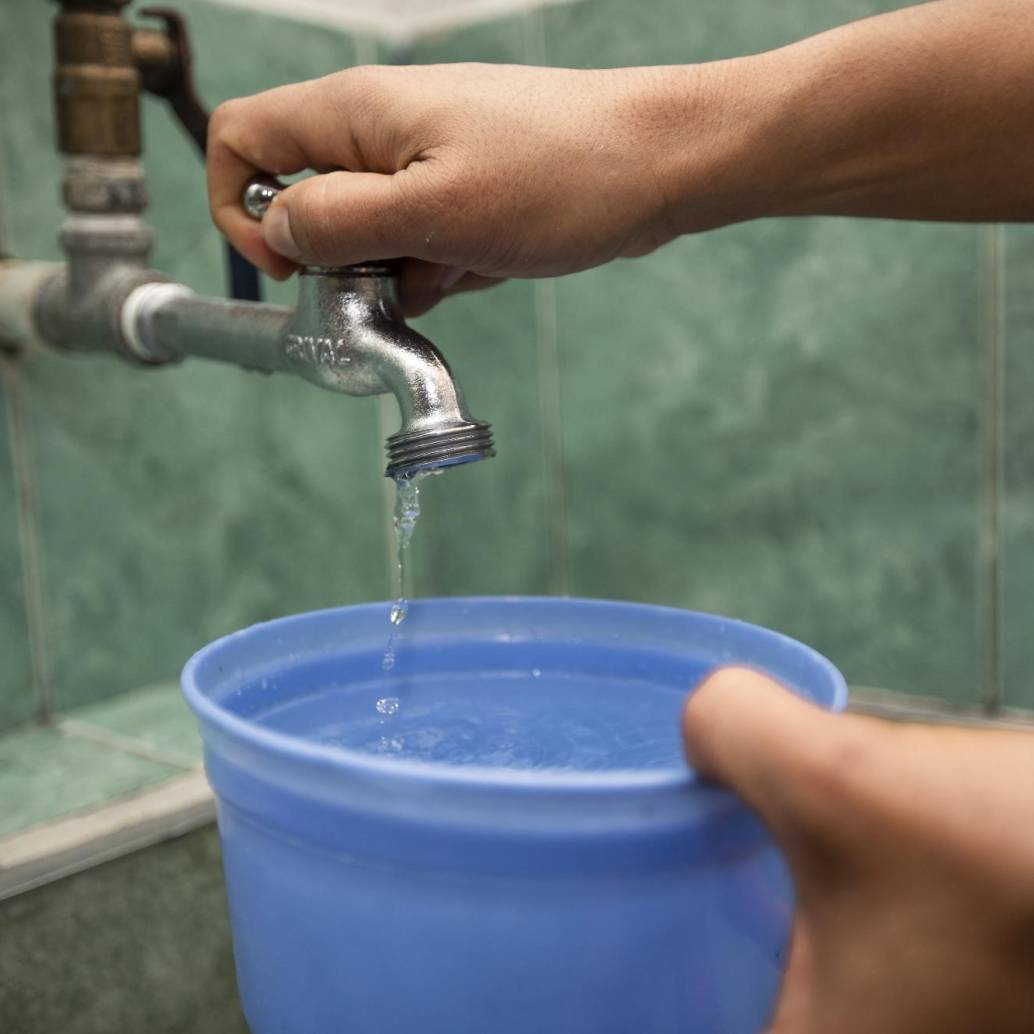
<point x="407" y="512"/>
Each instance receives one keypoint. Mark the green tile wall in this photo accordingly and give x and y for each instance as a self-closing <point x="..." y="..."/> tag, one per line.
<point x="140" y="944"/>
<point x="485" y="528"/>
<point x="1017" y="326"/>
<point x="806" y="454"/>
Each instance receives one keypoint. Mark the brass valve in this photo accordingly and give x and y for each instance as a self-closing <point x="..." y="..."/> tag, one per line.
<point x="96" y="85"/>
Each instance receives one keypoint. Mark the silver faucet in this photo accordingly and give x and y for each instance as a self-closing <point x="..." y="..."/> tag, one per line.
<point x="346" y="334"/>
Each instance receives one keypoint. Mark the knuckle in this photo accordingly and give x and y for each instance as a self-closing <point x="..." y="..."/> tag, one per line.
<point x="363" y="96"/>
<point x="224" y="115"/>
<point x="227" y="127"/>
<point x="362" y="82"/>
<point x="361" y="73"/>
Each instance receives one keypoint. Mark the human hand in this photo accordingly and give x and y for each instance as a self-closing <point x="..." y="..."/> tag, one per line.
<point x="473" y="172"/>
<point x="912" y="852"/>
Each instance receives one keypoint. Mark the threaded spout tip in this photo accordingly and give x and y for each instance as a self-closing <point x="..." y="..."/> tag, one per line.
<point x="416" y="451"/>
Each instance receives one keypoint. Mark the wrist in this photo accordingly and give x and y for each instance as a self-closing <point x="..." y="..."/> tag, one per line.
<point x="713" y="144"/>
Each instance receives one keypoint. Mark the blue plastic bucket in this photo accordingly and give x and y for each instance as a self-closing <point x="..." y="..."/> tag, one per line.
<point x="499" y="836"/>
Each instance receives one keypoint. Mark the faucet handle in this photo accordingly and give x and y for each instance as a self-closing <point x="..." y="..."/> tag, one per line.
<point x="259" y="194"/>
<point x="262" y="191"/>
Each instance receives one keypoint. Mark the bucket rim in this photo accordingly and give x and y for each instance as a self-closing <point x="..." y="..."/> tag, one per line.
<point x="212" y="715"/>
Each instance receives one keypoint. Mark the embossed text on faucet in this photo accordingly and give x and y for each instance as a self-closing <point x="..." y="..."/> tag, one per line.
<point x="321" y="351"/>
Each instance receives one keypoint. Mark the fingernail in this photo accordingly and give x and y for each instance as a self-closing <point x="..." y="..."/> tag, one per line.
<point x="276" y="231"/>
<point x="450" y="275"/>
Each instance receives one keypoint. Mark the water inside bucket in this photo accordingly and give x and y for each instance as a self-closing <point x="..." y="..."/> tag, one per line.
<point x="531" y="719"/>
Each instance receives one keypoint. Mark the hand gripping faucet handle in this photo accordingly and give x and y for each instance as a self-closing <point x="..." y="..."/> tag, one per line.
<point x="262" y="191"/>
<point x="354" y="308"/>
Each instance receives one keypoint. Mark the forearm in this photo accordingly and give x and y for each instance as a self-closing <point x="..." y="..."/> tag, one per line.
<point x="500" y="171"/>
<point x="923" y="113"/>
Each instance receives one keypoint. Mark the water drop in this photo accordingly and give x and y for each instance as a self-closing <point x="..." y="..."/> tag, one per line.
<point x="536" y="673"/>
<point x="388" y="705"/>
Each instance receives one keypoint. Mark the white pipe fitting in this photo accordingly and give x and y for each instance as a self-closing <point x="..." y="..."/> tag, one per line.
<point x="20" y="286"/>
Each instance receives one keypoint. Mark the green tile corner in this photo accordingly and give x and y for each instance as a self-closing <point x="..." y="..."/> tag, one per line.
<point x="46" y="775"/>
<point x="153" y="721"/>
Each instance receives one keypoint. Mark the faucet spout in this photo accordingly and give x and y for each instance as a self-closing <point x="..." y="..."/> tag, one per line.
<point x="348" y="335"/>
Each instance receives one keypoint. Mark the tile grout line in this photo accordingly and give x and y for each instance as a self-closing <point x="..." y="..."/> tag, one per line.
<point x="29" y="538"/>
<point x="76" y="729"/>
<point x="548" y="363"/>
<point x="991" y="349"/>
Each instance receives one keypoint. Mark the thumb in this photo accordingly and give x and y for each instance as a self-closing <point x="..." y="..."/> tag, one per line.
<point x="343" y="218"/>
<point x="775" y="750"/>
